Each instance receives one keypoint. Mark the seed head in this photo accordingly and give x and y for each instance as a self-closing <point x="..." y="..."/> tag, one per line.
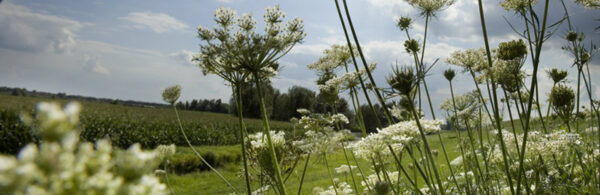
<point x="404" y="23"/>
<point x="562" y="101"/>
<point x="412" y="46"/>
<point x="171" y="94"/>
<point x="402" y="79"/>
<point x="571" y="36"/>
<point x="512" y="50"/>
<point x="449" y="74"/>
<point x="557" y="75"/>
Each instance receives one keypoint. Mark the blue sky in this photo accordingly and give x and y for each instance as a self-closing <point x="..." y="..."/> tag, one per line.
<point x="133" y="50"/>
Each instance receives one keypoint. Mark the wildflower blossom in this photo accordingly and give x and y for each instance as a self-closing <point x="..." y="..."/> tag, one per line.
<point x="61" y="164"/>
<point x="344" y="169"/>
<point x="373" y="179"/>
<point x="397" y="136"/>
<point x="171" y="94"/>
<point x="589" y="3"/>
<point x="429" y="7"/>
<point x="342" y="188"/>
<point x="469" y="59"/>
<point x="517" y="5"/>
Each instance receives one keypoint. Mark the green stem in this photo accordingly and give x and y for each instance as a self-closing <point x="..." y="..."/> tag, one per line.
<point x="243" y="133"/>
<point x="198" y="154"/>
<point x="267" y="131"/>
<point x="329" y="172"/>
<point x="362" y="83"/>
<point x="366" y="66"/>
<point x="495" y="97"/>
<point x="427" y="148"/>
<point x="303" y="173"/>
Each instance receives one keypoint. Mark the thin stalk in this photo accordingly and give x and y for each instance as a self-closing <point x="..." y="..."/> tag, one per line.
<point x="330" y="175"/>
<point x="399" y="164"/>
<point x="362" y="83"/>
<point x="350" y="167"/>
<point x="550" y="102"/>
<point x="198" y="154"/>
<point x="425" y="178"/>
<point x="455" y="124"/>
<point x="427" y="148"/>
<point x="495" y="99"/>
<point x="303" y="173"/>
<point x="533" y="84"/>
<point x="167" y="178"/>
<point x="267" y="131"/>
<point x="366" y="66"/>
<point x="359" y="169"/>
<point x="243" y="134"/>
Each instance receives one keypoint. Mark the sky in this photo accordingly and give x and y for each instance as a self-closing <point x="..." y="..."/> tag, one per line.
<point x="131" y="50"/>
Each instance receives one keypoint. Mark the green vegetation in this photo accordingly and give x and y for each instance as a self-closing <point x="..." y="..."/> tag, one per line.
<point x="126" y="125"/>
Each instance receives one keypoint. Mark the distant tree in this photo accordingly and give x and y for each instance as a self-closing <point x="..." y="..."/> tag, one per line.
<point x="369" y="117"/>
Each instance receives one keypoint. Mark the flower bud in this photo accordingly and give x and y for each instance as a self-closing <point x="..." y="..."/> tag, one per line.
<point x="171" y="94"/>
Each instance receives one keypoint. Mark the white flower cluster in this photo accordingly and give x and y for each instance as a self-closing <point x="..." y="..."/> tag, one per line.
<point x="589" y="3"/>
<point x="259" y="140"/>
<point x="371" y="180"/>
<point x="63" y="165"/>
<point x="321" y="142"/>
<point x="429" y="7"/>
<point x="538" y="144"/>
<point x="397" y="136"/>
<point x="517" y="5"/>
<point x="344" y="169"/>
<point x="469" y="59"/>
<point x="342" y="188"/>
<point x="347" y="80"/>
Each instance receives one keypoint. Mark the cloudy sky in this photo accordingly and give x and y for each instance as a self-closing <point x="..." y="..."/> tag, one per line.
<point x="133" y="50"/>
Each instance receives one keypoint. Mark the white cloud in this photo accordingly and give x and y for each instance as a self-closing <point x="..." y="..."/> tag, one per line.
<point x="157" y="22"/>
<point x="90" y="63"/>
<point x="25" y="30"/>
<point x="309" y="49"/>
<point x="183" y="57"/>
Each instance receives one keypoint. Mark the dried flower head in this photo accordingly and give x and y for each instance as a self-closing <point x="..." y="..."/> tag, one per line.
<point x="404" y="23"/>
<point x="571" y="36"/>
<point x="589" y="3"/>
<point x="449" y="74"/>
<point x="557" y="75"/>
<point x="517" y="5"/>
<point x="512" y="50"/>
<point x="402" y="79"/>
<point x="171" y="94"/>
<point x="562" y="98"/>
<point x="469" y="59"/>
<point x="412" y="46"/>
<point x="430" y="7"/>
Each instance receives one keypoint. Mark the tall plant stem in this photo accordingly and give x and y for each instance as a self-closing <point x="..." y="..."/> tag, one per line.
<point x="416" y="163"/>
<point x="362" y="83"/>
<point x="427" y="148"/>
<point x="198" y="154"/>
<point x="267" y="131"/>
<point x="536" y="62"/>
<point x="399" y="164"/>
<point x="550" y="102"/>
<point x="329" y="172"/>
<point x="237" y="90"/>
<point x="303" y="173"/>
<point x="366" y="66"/>
<point x="422" y="64"/>
<point x="495" y="98"/>
<point x="462" y="152"/>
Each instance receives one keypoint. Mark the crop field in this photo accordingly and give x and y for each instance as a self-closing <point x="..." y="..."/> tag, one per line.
<point x="385" y="97"/>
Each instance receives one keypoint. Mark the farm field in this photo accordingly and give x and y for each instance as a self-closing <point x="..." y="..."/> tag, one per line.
<point x="312" y="97"/>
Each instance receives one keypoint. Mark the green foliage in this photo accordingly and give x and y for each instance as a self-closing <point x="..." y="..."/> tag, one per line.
<point x="184" y="161"/>
<point x="125" y="125"/>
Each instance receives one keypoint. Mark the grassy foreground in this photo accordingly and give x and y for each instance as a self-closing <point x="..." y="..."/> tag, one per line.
<point x="207" y="182"/>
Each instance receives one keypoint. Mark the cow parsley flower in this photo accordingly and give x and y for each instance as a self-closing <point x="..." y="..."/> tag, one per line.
<point x="61" y="164"/>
